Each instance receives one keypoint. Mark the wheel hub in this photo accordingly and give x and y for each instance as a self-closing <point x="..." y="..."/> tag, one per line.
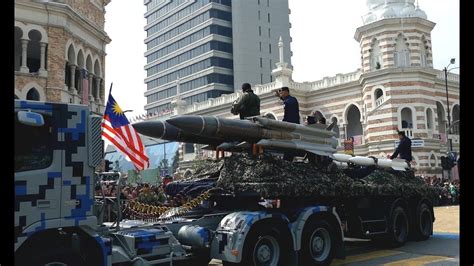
<point x="264" y="253"/>
<point x="318" y="244"/>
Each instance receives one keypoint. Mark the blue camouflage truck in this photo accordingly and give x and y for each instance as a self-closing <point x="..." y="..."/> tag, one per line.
<point x="58" y="146"/>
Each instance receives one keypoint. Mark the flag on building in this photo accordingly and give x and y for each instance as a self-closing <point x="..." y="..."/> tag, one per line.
<point x="85" y="86"/>
<point x="117" y="130"/>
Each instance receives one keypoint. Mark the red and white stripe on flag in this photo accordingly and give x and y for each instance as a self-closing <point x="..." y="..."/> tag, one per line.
<point x="126" y="139"/>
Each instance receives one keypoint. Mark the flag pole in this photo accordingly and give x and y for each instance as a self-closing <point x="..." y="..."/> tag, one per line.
<point x="110" y="90"/>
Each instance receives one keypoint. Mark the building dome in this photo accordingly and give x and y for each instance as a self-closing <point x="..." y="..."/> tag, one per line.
<point x="372" y="4"/>
<point x="420" y="13"/>
<point x="387" y="12"/>
<point x="407" y="11"/>
<point x="383" y="9"/>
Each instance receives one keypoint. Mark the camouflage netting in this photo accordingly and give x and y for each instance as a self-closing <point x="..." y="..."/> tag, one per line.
<point x="273" y="177"/>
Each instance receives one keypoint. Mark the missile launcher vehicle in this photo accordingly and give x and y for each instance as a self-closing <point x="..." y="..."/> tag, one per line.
<point x="243" y="210"/>
<point x="380" y="199"/>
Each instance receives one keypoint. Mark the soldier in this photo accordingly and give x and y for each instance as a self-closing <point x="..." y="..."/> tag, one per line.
<point x="248" y="104"/>
<point x="291" y="115"/>
<point x="404" y="148"/>
<point x="292" y="109"/>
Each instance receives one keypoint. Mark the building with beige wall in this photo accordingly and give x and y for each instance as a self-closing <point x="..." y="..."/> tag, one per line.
<point x="394" y="88"/>
<point x="58" y="45"/>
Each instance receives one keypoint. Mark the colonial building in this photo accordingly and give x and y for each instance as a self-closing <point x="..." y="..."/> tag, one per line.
<point x="60" y="51"/>
<point x="395" y="88"/>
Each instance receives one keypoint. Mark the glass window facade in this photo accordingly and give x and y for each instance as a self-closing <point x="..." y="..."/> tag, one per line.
<point x="186" y="25"/>
<point x="174" y="20"/>
<point x="192" y="84"/>
<point x="213" y="29"/>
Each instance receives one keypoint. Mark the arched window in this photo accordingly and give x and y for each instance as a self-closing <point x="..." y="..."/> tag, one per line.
<point x="378" y="96"/>
<point x="432" y="161"/>
<point x="455" y="119"/>
<point x="354" y="126"/>
<point x="71" y="60"/>
<point x="375" y="56"/>
<point x="407" y="118"/>
<point x="402" y="54"/>
<point x="429" y="119"/>
<point x="33" y="95"/>
<point x="441" y="118"/>
<point x="78" y="75"/>
<point x="18" y="35"/>
<point x="424" y="52"/>
<point x="33" y="60"/>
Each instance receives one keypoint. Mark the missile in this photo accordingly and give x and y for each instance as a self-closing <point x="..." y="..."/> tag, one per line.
<point x="315" y="129"/>
<point x="164" y="130"/>
<point x="342" y="157"/>
<point x="283" y="135"/>
<point x="364" y="161"/>
<point x="298" y="145"/>
<point x="341" y="164"/>
<point x="399" y="164"/>
<point x="396" y="164"/>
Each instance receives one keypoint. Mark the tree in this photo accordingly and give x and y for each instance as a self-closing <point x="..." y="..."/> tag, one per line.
<point x="175" y="163"/>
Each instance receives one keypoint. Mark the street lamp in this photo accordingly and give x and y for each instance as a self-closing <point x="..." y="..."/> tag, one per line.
<point x="452" y="61"/>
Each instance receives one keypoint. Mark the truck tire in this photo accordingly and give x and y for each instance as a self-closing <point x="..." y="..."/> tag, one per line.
<point x="423" y="227"/>
<point x="318" y="243"/>
<point x="54" y="257"/>
<point x="265" y="245"/>
<point x="398" y="228"/>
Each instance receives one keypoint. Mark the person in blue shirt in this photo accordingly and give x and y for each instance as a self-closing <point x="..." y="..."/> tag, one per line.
<point x="404" y="148"/>
<point x="291" y="114"/>
<point x="292" y="109"/>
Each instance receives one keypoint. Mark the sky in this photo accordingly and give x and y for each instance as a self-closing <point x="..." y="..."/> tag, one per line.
<point x="322" y="32"/>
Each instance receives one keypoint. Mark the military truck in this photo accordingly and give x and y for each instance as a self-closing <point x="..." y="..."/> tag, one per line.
<point x="58" y="146"/>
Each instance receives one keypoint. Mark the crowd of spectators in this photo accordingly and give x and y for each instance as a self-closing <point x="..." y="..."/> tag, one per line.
<point x="448" y="191"/>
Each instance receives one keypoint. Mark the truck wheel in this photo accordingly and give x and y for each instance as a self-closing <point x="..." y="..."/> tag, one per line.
<point x="317" y="244"/>
<point x="423" y="222"/>
<point x="61" y="256"/>
<point x="265" y="246"/>
<point x="397" y="228"/>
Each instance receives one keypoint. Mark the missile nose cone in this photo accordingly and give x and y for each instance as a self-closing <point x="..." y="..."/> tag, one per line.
<point x="188" y="123"/>
<point x="153" y="129"/>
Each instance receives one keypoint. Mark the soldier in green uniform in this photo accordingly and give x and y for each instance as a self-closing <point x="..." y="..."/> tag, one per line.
<point x="248" y="104"/>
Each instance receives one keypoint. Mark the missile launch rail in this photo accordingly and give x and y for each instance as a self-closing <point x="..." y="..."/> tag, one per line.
<point x="58" y="147"/>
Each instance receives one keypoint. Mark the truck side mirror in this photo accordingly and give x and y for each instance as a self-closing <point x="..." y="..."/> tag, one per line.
<point x="30" y="118"/>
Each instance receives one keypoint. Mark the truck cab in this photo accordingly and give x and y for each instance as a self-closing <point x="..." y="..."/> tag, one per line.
<point x="57" y="147"/>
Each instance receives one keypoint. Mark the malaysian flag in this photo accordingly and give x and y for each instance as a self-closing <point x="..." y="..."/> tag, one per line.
<point x="117" y="130"/>
<point x="85" y="87"/>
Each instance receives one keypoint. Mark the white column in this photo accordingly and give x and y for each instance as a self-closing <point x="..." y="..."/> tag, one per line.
<point x="42" y="71"/>
<point x="24" y="47"/>
<point x="73" y="79"/>
<point x="97" y="86"/>
<point x="91" y="97"/>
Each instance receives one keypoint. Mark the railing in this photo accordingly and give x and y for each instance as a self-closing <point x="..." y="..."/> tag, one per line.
<point x="336" y="80"/>
<point x="379" y="101"/>
<point x="451" y="76"/>
<point x="408" y="132"/>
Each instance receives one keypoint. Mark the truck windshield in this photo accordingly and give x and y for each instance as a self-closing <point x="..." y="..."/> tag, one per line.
<point x="33" y="149"/>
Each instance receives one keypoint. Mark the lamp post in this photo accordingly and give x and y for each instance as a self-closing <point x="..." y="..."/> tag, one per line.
<point x="452" y="61"/>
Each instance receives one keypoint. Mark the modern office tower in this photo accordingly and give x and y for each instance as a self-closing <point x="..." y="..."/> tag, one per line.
<point x="207" y="48"/>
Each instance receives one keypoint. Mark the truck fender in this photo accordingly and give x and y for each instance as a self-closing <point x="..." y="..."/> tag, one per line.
<point x="297" y="226"/>
<point x="228" y="242"/>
